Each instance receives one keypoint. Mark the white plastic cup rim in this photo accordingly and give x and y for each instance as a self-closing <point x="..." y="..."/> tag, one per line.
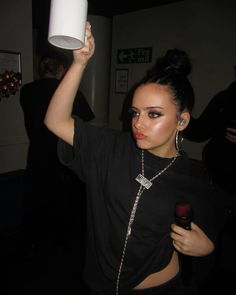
<point x="65" y="42"/>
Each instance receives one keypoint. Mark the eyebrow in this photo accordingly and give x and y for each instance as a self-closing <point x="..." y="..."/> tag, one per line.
<point x="149" y="107"/>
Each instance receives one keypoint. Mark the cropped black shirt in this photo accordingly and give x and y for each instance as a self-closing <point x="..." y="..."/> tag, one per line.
<point x="109" y="161"/>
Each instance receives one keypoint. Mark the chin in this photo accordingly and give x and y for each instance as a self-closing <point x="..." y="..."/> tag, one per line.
<point x="142" y="145"/>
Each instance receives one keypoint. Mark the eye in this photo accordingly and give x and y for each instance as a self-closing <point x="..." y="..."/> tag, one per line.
<point x="154" y="115"/>
<point x="133" y="113"/>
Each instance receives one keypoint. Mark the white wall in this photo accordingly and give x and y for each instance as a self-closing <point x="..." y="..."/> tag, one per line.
<point x="16" y="35"/>
<point x="204" y="28"/>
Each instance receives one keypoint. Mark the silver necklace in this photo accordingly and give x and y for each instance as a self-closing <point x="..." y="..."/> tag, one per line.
<point x="144" y="184"/>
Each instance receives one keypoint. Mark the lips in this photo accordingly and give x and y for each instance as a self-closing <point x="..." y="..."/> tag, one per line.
<point x="139" y="135"/>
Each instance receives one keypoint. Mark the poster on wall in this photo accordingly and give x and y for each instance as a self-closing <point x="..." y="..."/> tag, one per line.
<point x="10" y="73"/>
<point x="121" y="80"/>
<point x="10" y="61"/>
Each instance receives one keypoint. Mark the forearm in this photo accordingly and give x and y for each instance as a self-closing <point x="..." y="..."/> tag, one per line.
<point x="59" y="114"/>
<point x="58" y="117"/>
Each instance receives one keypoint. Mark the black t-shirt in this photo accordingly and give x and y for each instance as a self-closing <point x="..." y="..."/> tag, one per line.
<point x="109" y="161"/>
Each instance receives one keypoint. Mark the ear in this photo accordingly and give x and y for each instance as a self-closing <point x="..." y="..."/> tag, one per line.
<point x="183" y="121"/>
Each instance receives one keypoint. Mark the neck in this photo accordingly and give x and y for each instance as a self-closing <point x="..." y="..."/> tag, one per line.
<point x="147" y="183"/>
<point x="164" y="154"/>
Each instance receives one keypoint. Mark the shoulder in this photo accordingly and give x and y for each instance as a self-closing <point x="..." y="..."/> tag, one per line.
<point x="27" y="86"/>
<point x="232" y="90"/>
<point x="95" y="136"/>
<point x="26" y="91"/>
<point x="40" y="83"/>
<point x="37" y="87"/>
<point x="222" y="95"/>
<point x="193" y="169"/>
<point x="232" y="86"/>
<point x="219" y="97"/>
<point x="197" y="169"/>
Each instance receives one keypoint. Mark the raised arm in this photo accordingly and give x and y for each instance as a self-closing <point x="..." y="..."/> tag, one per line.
<point x="58" y="118"/>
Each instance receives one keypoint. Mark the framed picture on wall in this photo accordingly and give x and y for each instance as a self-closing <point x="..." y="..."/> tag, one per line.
<point x="10" y="73"/>
<point x="10" y="61"/>
<point x="121" y="80"/>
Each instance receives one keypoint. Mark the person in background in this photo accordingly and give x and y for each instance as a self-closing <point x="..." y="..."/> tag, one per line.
<point x="47" y="205"/>
<point x="217" y="126"/>
<point x="134" y="181"/>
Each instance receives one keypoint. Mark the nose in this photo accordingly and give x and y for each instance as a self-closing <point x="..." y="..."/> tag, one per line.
<point x="138" y="122"/>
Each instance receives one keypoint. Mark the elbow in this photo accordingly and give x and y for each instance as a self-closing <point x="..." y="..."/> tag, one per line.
<point x="211" y="247"/>
<point x="46" y="122"/>
<point x="63" y="129"/>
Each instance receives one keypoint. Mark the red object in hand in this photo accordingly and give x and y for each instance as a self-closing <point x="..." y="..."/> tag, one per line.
<point x="183" y="214"/>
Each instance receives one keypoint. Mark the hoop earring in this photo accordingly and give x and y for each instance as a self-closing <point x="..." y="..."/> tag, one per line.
<point x="178" y="141"/>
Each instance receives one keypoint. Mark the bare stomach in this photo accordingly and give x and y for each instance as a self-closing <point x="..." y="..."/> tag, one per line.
<point x="162" y="276"/>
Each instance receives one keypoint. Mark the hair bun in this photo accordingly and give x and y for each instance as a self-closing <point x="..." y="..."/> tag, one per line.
<point x="178" y="61"/>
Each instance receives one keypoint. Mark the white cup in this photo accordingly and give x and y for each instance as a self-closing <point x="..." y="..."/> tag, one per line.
<point x="67" y="23"/>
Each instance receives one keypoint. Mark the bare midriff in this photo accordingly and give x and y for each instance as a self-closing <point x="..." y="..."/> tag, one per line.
<point x="162" y="276"/>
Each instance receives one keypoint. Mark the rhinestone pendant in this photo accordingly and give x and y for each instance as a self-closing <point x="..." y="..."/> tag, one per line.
<point x="143" y="181"/>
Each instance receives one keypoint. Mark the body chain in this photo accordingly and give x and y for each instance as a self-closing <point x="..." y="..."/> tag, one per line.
<point x="133" y="212"/>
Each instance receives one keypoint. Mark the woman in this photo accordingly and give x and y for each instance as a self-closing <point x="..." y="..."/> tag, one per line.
<point x="133" y="244"/>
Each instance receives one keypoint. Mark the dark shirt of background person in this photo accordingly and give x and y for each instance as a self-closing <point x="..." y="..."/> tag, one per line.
<point x="219" y="153"/>
<point x="217" y="126"/>
<point x="34" y="99"/>
<point x="48" y="202"/>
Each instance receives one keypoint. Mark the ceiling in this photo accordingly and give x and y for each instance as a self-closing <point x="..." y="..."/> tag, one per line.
<point x="98" y="7"/>
<point x="108" y="8"/>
